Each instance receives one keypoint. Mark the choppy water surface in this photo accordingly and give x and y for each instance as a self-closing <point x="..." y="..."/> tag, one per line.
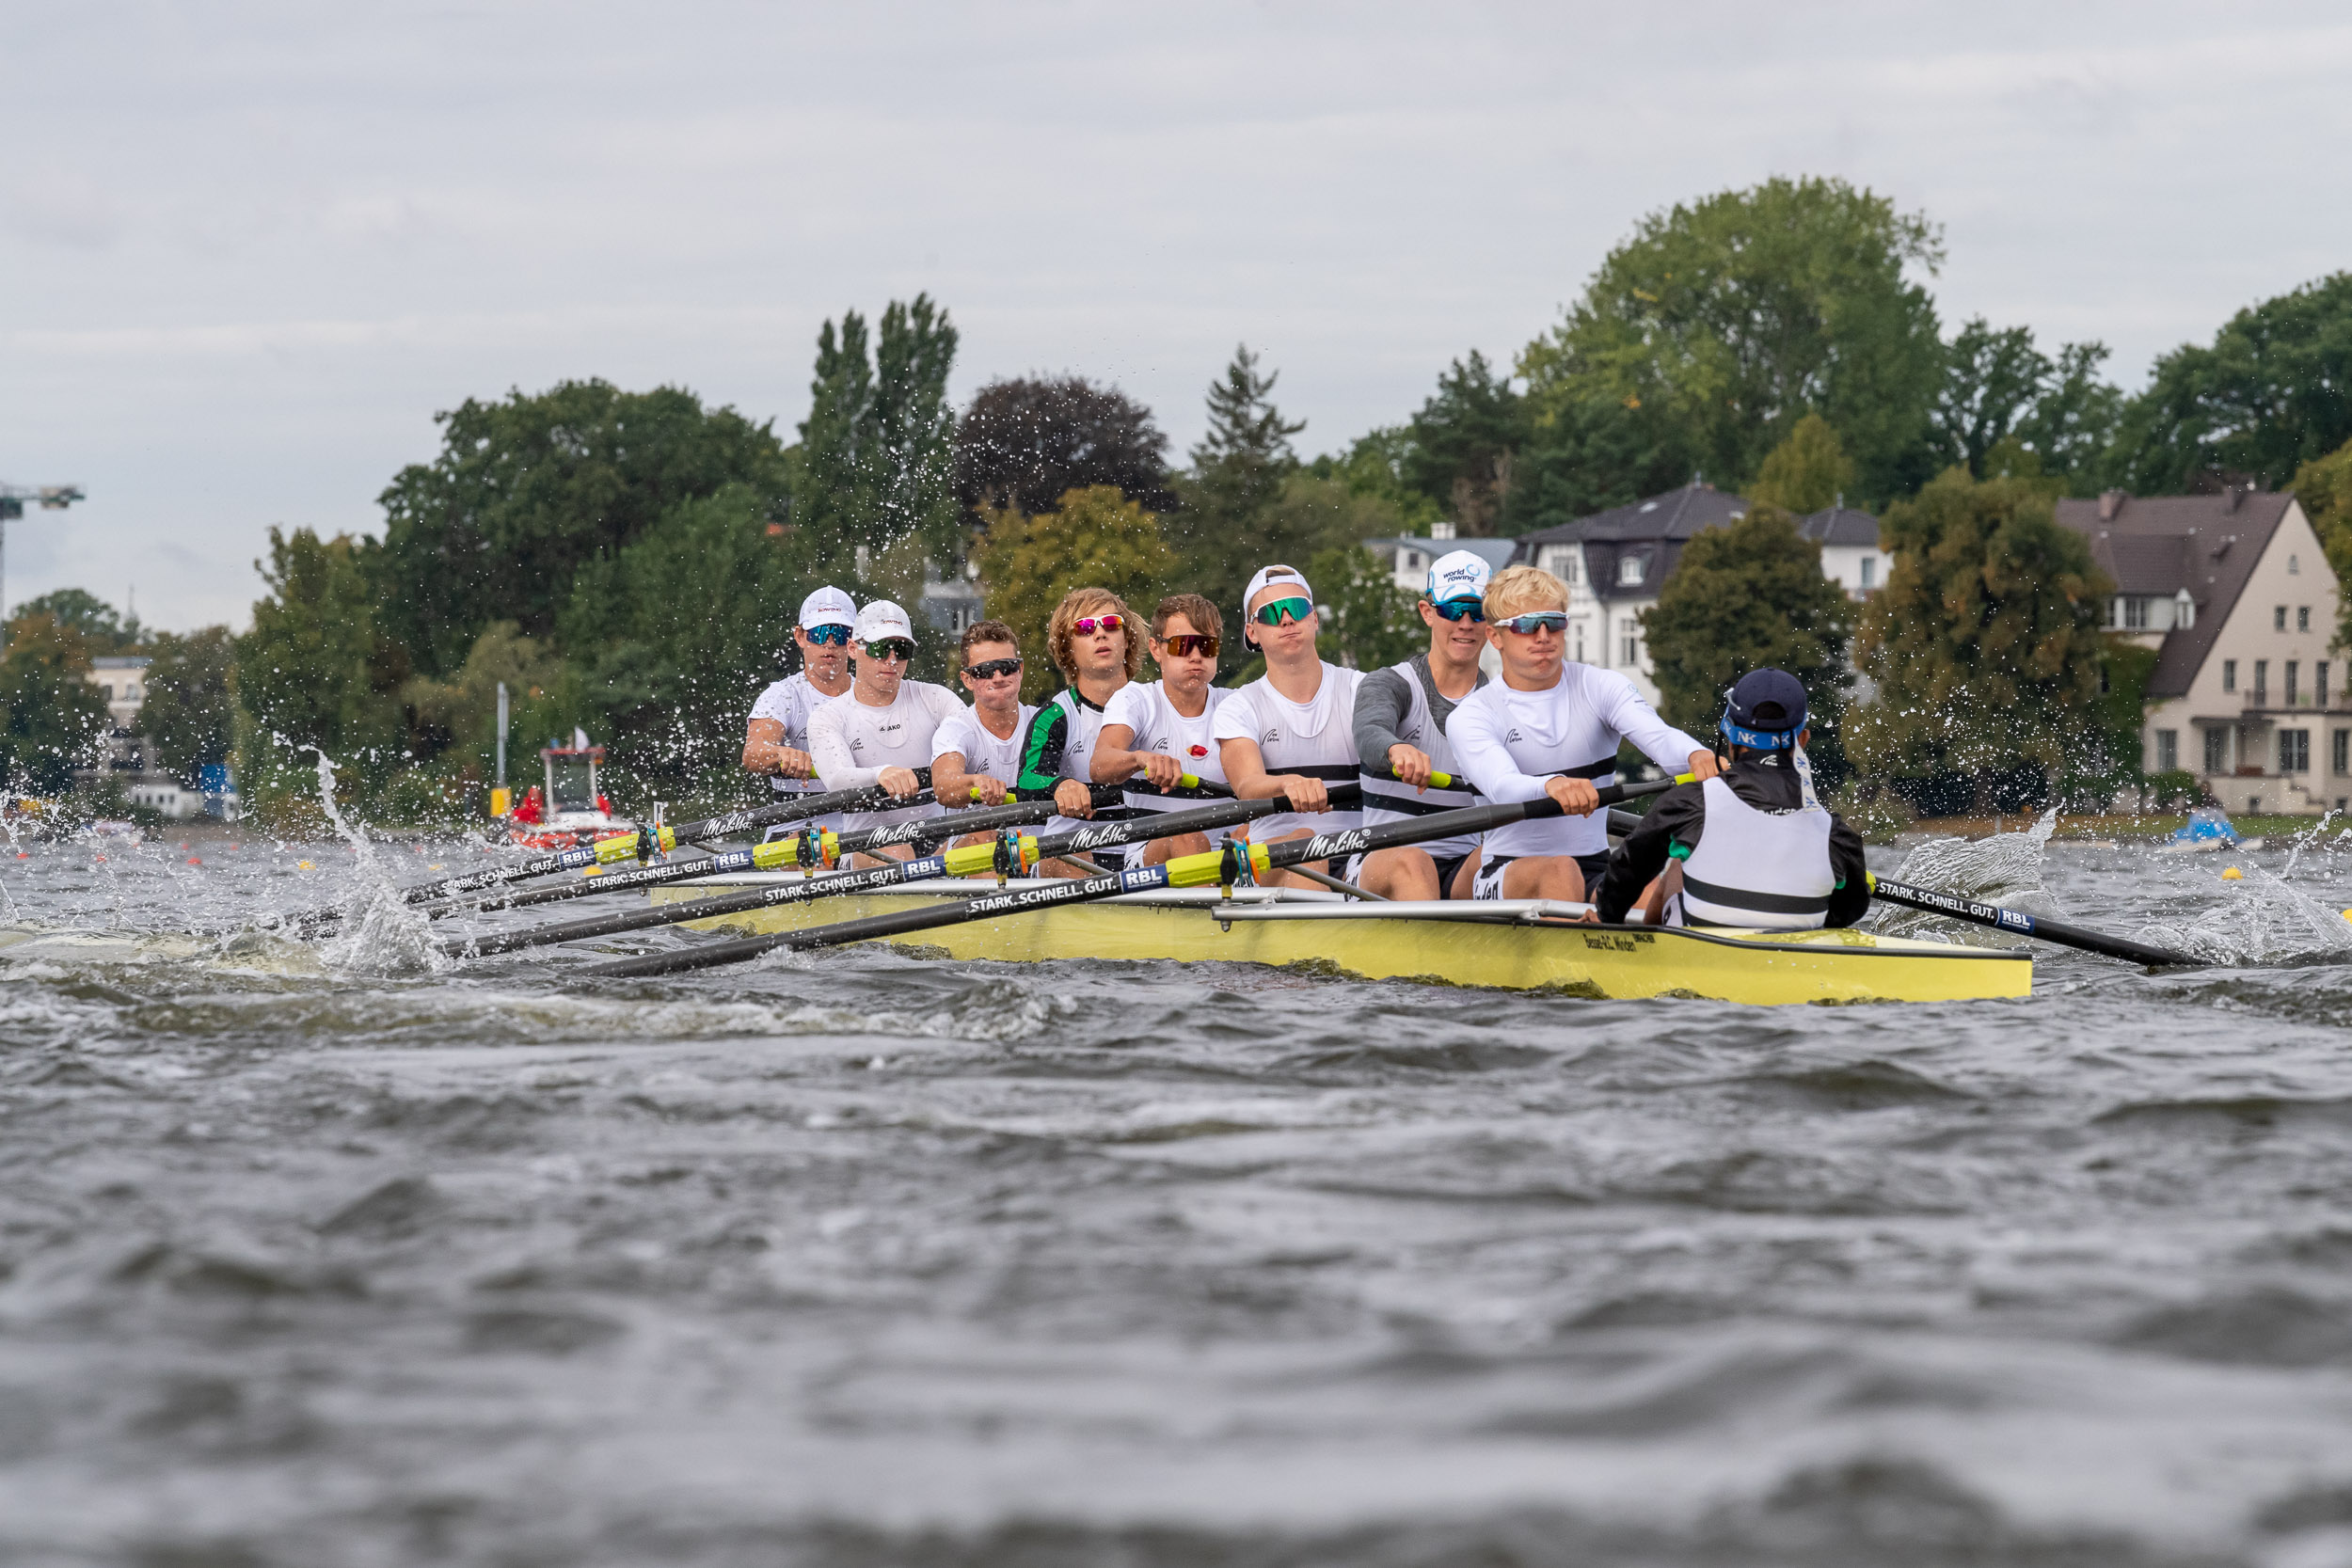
<point x="322" y="1256"/>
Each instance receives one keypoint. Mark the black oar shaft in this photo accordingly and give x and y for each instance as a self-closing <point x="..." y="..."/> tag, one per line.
<point x="1191" y="870"/>
<point x="1935" y="901"/>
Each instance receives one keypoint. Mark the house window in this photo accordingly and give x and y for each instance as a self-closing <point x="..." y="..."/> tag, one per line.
<point x="2342" y="749"/>
<point x="1632" y="652"/>
<point x="1869" y="570"/>
<point x="2302" y="617"/>
<point x="2135" y="614"/>
<point x="1629" y="571"/>
<point x="2295" y="565"/>
<point x="1575" y="564"/>
<point x="2294" y="750"/>
<point x="2262" y="680"/>
<point x="2228" y="674"/>
<point x="2278" y="619"/>
<point x="2167" y="751"/>
<point x="2294" y="669"/>
<point x="2319" y="684"/>
<point x="2216" y="750"/>
<point x="1412" y="560"/>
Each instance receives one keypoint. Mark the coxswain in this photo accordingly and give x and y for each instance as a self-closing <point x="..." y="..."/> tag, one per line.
<point x="1098" y="646"/>
<point x="1401" y="715"/>
<point x="775" y="742"/>
<point x="978" y="751"/>
<point x="883" y="729"/>
<point x="1752" y="847"/>
<point x="1290" y="730"/>
<point x="1549" y="727"/>
<point x="1156" y="732"/>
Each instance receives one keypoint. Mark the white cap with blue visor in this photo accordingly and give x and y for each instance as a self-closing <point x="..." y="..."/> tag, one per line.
<point x="1458" y="575"/>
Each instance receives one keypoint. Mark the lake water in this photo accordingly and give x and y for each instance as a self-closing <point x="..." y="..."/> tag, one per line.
<point x="325" y="1256"/>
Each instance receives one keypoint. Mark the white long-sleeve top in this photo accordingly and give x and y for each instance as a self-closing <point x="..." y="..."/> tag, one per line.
<point x="852" y="742"/>
<point x="1512" y="744"/>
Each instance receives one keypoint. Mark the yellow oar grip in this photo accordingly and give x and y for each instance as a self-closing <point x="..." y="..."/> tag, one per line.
<point x="624" y="848"/>
<point x="1209" y="869"/>
<point x="973" y="860"/>
<point x="783" y="852"/>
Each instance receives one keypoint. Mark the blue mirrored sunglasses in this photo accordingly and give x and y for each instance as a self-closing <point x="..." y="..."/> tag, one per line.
<point x="1459" y="609"/>
<point x="831" y="637"/>
<point x="1527" y="626"/>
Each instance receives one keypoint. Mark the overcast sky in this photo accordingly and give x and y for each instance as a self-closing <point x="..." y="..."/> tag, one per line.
<point x="247" y="251"/>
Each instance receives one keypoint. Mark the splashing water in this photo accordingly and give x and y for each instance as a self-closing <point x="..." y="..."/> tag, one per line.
<point x="2261" y="919"/>
<point x="380" y="932"/>
<point x="2005" y="868"/>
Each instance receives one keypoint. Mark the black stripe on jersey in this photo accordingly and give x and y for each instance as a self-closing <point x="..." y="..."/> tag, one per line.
<point x="1413" y="805"/>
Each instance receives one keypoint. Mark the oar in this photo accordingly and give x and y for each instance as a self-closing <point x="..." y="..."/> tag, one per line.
<point x="1934" y="901"/>
<point x="1008" y="854"/>
<point x="637" y="847"/>
<point x="1228" y="865"/>
<point x="797" y="852"/>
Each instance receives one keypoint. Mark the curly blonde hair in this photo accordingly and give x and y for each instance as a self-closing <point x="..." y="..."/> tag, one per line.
<point x="1062" y="631"/>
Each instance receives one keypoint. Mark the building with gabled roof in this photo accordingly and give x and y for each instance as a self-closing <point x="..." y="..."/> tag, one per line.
<point x="2236" y="596"/>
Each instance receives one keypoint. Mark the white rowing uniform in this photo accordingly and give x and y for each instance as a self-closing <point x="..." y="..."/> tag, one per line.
<point x="1315" y="739"/>
<point x="1515" y="743"/>
<point x="1764" y="870"/>
<point x="982" y="749"/>
<point x="791" y="702"/>
<point x="1144" y="707"/>
<point x="1060" y="745"/>
<point x="1387" y="799"/>
<point x="853" y="741"/>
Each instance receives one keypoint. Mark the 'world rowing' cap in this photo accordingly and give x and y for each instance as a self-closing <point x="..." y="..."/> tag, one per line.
<point x="1764" y="711"/>
<point x="828" y="606"/>
<point x="880" y="619"/>
<point x="1458" y="575"/>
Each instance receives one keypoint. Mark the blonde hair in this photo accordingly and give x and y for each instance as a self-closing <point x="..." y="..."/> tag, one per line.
<point x="1516" y="590"/>
<point x="1062" y="631"/>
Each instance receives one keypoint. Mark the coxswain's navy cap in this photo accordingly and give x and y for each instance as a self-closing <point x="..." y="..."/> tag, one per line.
<point x="1764" y="711"/>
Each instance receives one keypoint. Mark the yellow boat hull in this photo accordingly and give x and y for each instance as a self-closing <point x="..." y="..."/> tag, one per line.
<point x="1621" y="961"/>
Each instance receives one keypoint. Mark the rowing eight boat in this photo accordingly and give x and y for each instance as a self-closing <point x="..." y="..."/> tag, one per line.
<point x="1510" y="943"/>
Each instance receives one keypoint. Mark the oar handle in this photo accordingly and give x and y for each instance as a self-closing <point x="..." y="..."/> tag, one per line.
<point x="1955" y="906"/>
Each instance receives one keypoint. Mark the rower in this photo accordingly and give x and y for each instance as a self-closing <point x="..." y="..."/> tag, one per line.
<point x="1754" y="848"/>
<point x="775" y="742"/>
<point x="1164" y="729"/>
<point x="979" y="749"/>
<point x="1288" y="732"/>
<point x="1549" y="727"/>
<point x="1401" y="714"/>
<point x="882" y="731"/>
<point x="1098" y="646"/>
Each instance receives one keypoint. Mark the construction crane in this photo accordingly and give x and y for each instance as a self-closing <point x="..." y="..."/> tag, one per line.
<point x="50" y="497"/>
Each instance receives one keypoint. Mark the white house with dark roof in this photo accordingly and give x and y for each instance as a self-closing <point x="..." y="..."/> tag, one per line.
<point x="2236" y="598"/>
<point x="1615" y="561"/>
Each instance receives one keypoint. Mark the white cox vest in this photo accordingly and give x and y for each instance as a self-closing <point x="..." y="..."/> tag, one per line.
<point x="1387" y="801"/>
<point x="1759" y="869"/>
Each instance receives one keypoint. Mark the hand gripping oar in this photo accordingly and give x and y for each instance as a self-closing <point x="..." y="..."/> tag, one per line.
<point x="1229" y="865"/>
<point x="820" y="847"/>
<point x="1010" y="854"/>
<point x="1951" y="903"/>
<point x="643" y="843"/>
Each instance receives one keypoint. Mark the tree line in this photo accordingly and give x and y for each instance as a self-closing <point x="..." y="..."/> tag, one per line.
<point x="629" y="562"/>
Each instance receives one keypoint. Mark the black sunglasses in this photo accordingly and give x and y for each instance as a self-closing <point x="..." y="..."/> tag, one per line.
<point x="989" y="669"/>
<point x="890" y="647"/>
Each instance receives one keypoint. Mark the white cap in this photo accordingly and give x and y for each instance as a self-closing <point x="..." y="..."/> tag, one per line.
<point x="1274" y="575"/>
<point x="1458" y="575"/>
<point x="828" y="606"/>
<point x="880" y="619"/>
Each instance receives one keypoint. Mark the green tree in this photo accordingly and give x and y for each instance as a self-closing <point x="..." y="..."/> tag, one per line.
<point x="526" y="491"/>
<point x="877" y="453"/>
<point x="1703" y="339"/>
<point x="1026" y="441"/>
<point x="2323" y="485"/>
<point x="2272" y="393"/>
<point x="101" y="625"/>
<point x="1096" y="538"/>
<point x="677" y="634"/>
<point x="1369" y="621"/>
<point x="189" y="713"/>
<point x="460" y="715"/>
<point x="1998" y="386"/>
<point x="1986" y="644"/>
<point x="1745" y="597"/>
<point x="1238" y="471"/>
<point x="1806" y="473"/>
<point x="1462" y="444"/>
<point x="315" y="671"/>
<point x="55" y="717"/>
<point x="1373" y="466"/>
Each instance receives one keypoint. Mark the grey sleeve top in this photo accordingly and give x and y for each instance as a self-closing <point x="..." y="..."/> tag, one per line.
<point x="1381" y="704"/>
